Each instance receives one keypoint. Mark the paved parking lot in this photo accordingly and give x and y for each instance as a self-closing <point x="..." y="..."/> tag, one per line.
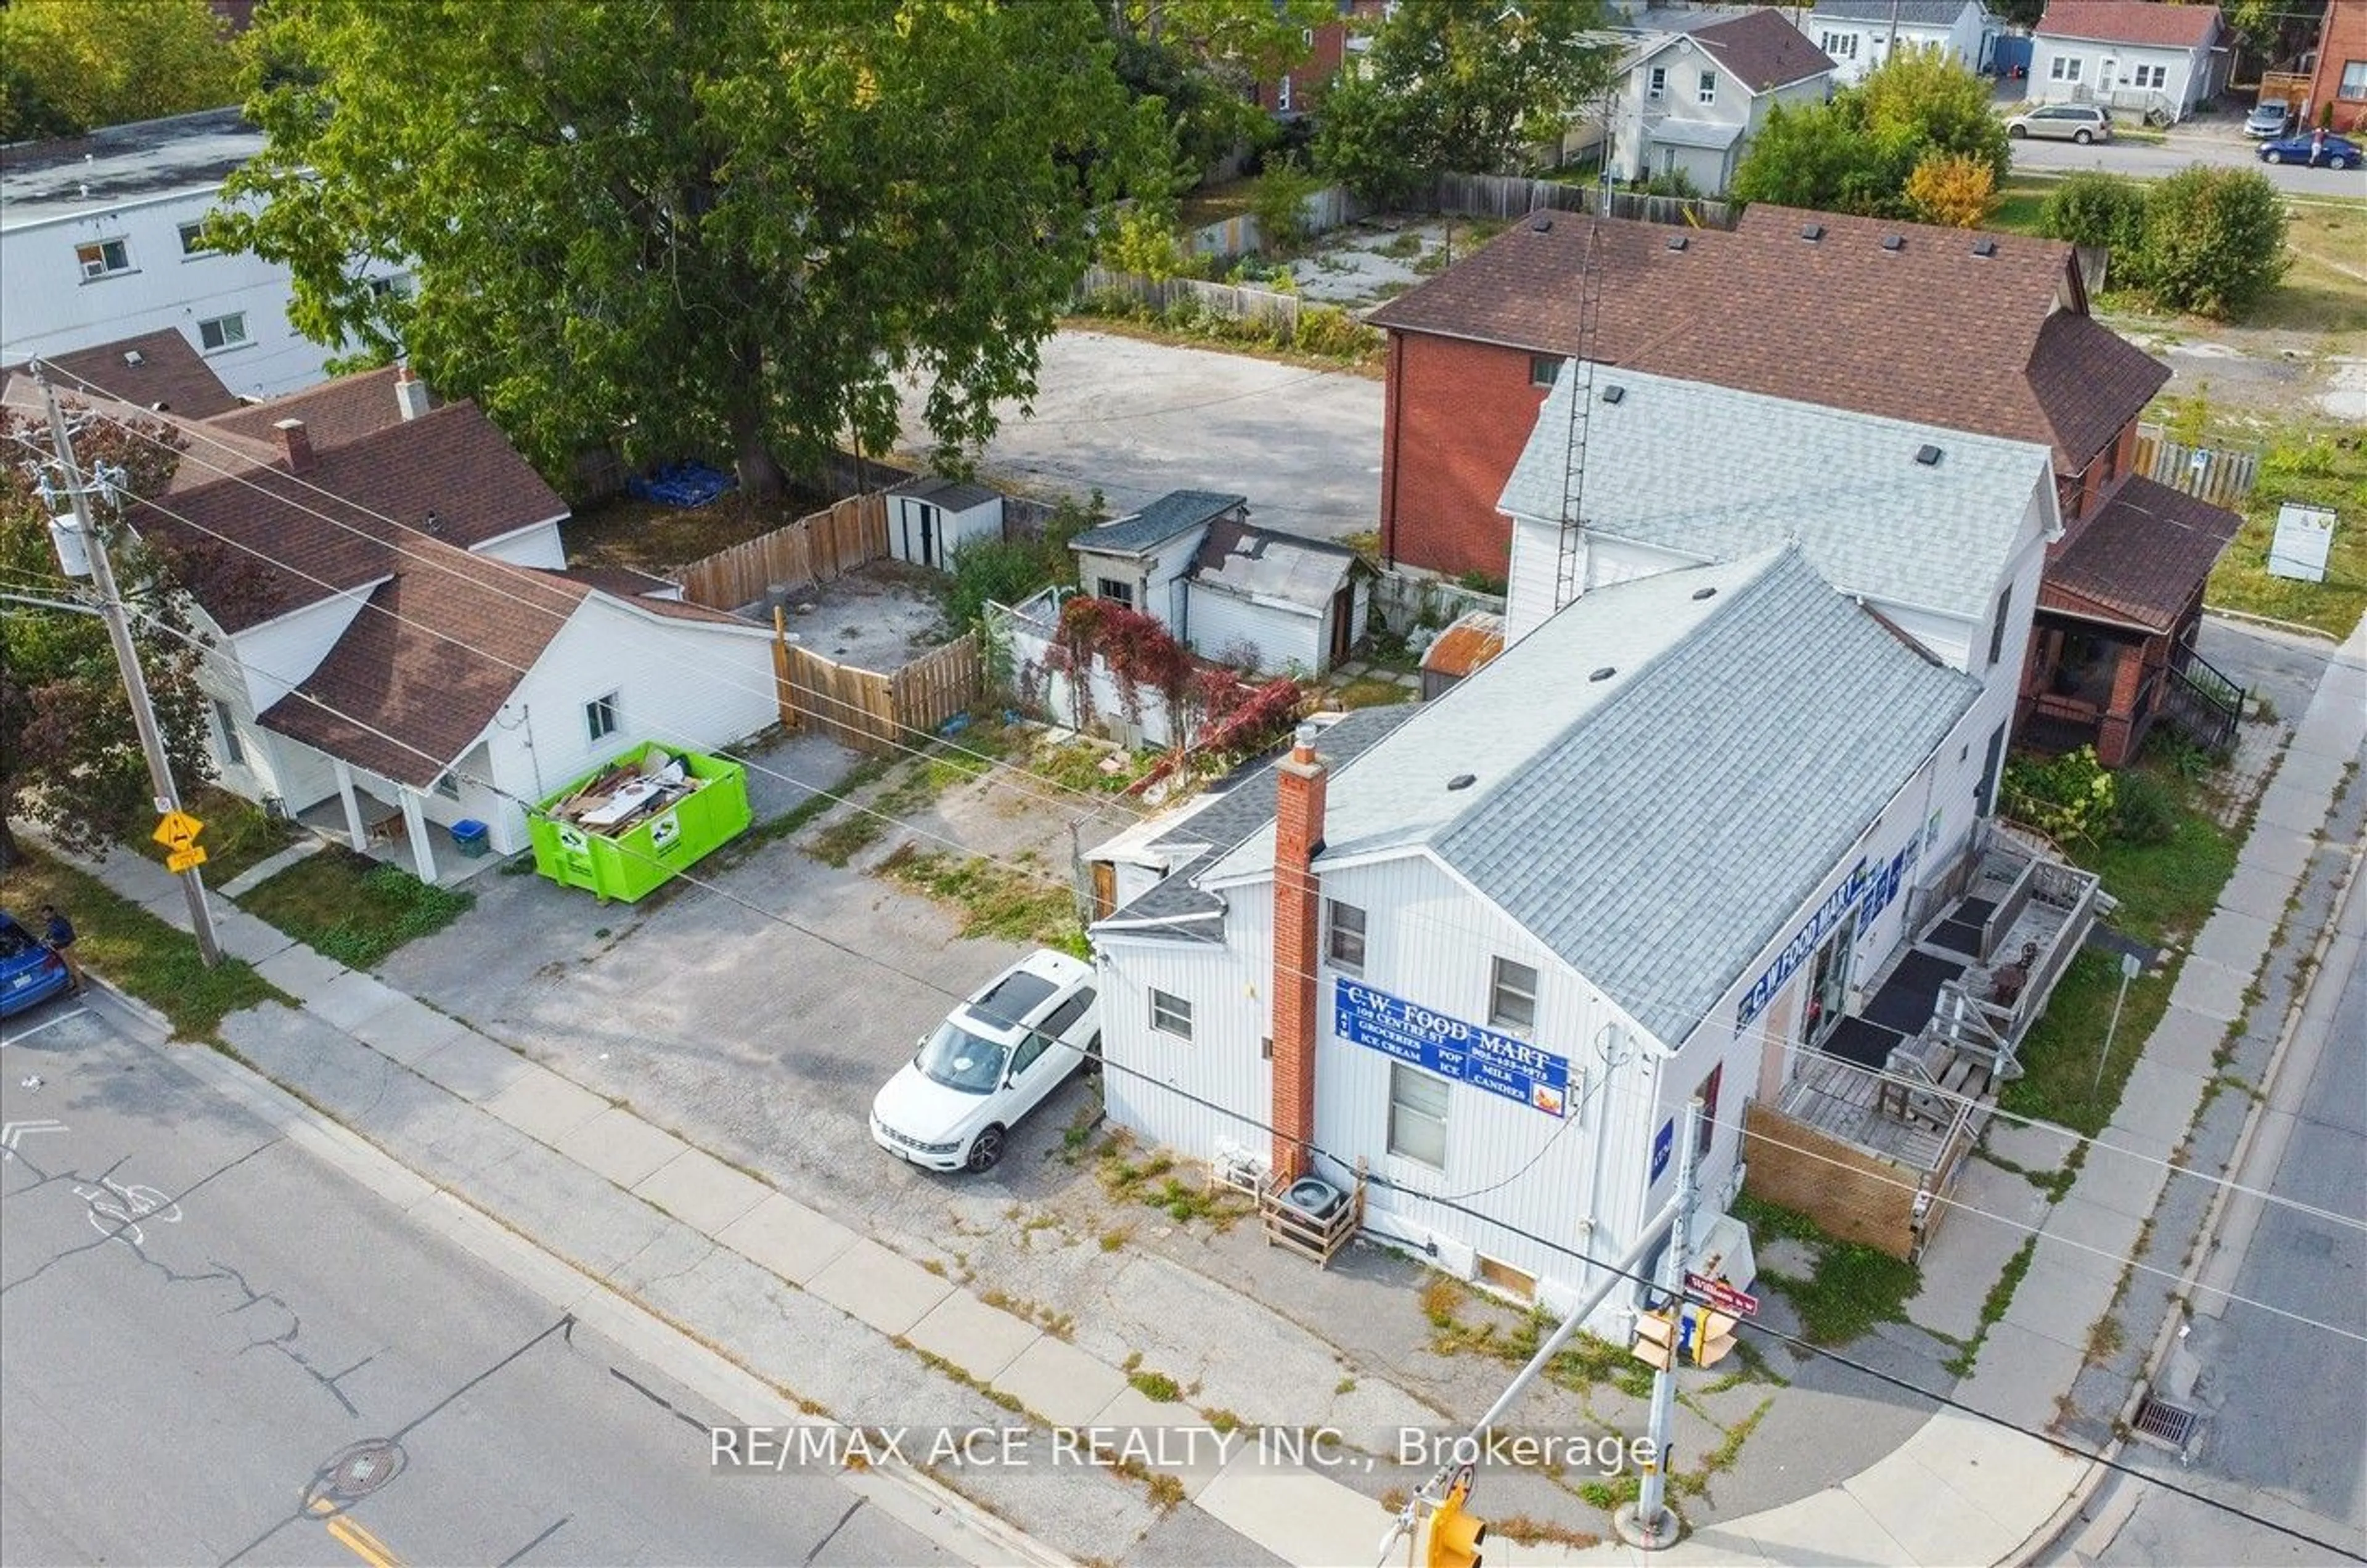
<point x="1139" y="419"/>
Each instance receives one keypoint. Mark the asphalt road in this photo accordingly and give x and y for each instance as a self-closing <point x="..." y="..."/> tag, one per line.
<point x="2148" y="161"/>
<point x="2283" y="1398"/>
<point x="199" y="1322"/>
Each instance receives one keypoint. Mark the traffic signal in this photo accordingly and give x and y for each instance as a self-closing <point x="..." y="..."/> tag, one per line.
<point x="1455" y="1537"/>
<point x="1709" y="1335"/>
<point x="1656" y="1340"/>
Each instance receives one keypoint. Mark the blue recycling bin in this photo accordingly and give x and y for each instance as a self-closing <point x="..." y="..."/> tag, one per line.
<point x="472" y="838"/>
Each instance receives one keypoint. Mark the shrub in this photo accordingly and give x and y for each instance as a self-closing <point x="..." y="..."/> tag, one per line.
<point x="1280" y="205"/>
<point x="2070" y="797"/>
<point x="2215" y="241"/>
<point x="2148" y="811"/>
<point x="1329" y="330"/>
<point x="1951" y="188"/>
<point x="2095" y="208"/>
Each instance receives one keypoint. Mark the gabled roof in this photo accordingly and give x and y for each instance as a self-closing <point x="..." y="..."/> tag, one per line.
<point x="2139" y="555"/>
<point x="334" y="412"/>
<point x="1206" y="832"/>
<point x="169" y="375"/>
<point x="1176" y="513"/>
<point x="2148" y="22"/>
<point x="1950" y="329"/>
<point x="1656" y="826"/>
<point x="1942" y="14"/>
<point x="1270" y="568"/>
<point x="1718" y="474"/>
<point x="1763" y="49"/>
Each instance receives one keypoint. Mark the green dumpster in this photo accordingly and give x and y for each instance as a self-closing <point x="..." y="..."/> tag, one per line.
<point x="630" y="825"/>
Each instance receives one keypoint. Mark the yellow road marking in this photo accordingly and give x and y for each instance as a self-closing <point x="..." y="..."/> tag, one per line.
<point x="347" y="1532"/>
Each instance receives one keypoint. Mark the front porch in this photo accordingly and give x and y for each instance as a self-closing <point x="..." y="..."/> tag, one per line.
<point x="396" y="831"/>
<point x="1891" y="1099"/>
<point x="2107" y="687"/>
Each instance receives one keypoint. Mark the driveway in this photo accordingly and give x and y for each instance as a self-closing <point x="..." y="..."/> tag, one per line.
<point x="1137" y="420"/>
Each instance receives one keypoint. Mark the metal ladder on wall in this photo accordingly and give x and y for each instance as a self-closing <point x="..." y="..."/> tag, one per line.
<point x="1581" y="406"/>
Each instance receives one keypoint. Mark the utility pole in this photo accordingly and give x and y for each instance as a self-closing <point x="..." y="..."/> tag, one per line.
<point x="135" y="684"/>
<point x="1892" y="47"/>
<point x="1648" y="1522"/>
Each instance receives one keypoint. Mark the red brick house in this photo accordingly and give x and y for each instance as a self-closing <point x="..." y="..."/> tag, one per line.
<point x="2340" y="82"/>
<point x="1329" y="48"/>
<point x="1985" y="332"/>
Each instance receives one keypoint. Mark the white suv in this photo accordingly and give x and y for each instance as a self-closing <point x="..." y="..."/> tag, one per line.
<point x="995" y="1058"/>
<point x="2082" y="123"/>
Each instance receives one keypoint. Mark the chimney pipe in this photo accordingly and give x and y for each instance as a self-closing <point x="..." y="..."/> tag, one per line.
<point x="294" y="444"/>
<point x="410" y="392"/>
<point x="1299" y="790"/>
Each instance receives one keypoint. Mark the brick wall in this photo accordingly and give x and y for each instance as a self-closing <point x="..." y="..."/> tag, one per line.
<point x="1299" y="785"/>
<point x="1457" y="415"/>
<point x="2343" y="40"/>
<point x="1852" y="1194"/>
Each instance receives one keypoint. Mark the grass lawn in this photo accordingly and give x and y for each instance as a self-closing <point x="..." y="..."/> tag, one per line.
<point x="2321" y="462"/>
<point x="1372" y="691"/>
<point x="1016" y="902"/>
<point x="2326" y="289"/>
<point x="353" y="909"/>
<point x="2019" y="200"/>
<point x="237" y="834"/>
<point x="146" y="957"/>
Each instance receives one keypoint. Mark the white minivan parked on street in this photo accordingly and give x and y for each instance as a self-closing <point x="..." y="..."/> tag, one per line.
<point x="994" y="1058"/>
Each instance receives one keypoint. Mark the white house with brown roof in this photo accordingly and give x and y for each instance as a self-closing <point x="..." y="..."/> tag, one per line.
<point x="2133" y="56"/>
<point x="1690" y="102"/>
<point x="395" y="641"/>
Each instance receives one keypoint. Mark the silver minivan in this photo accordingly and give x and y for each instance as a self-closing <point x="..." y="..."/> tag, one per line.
<point x="2082" y="123"/>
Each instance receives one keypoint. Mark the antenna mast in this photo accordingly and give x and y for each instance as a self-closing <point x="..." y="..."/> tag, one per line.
<point x="1581" y="393"/>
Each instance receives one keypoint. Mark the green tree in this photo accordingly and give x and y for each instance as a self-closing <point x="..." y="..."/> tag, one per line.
<point x="2214" y="240"/>
<point x="1463" y="87"/>
<point x="68" y="66"/>
<point x="680" y="228"/>
<point x="69" y="759"/>
<point x="2096" y="209"/>
<point x="1919" y="102"/>
<point x="1817" y="155"/>
<point x="1203" y="58"/>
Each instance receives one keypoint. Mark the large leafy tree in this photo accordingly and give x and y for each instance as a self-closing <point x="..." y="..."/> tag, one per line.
<point x="1859" y="153"/>
<point x="69" y="759"/>
<point x="671" y="227"/>
<point x="1462" y="86"/>
<point x="1202" y="59"/>
<point x="68" y="66"/>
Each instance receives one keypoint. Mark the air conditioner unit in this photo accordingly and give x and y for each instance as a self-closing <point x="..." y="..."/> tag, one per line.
<point x="95" y="268"/>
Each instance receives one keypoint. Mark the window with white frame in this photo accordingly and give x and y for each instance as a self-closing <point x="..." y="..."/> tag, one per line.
<point x="1544" y="370"/>
<point x="1708" y="91"/>
<point x="222" y="332"/>
<point x="1840" y="46"/>
<point x="1418" y="1115"/>
<point x="234" y="750"/>
<point x="101" y="257"/>
<point x="600" y="717"/>
<point x="1171" y="1014"/>
<point x="1118" y="590"/>
<point x="1997" y="632"/>
<point x="1709" y="1088"/>
<point x="2065" y="68"/>
<point x="2354" y="80"/>
<point x="1281" y="95"/>
<point x="193" y="240"/>
<point x="2148" y="75"/>
<point x="1512" y="996"/>
<point x="1343" y="935"/>
<point x="1656" y="84"/>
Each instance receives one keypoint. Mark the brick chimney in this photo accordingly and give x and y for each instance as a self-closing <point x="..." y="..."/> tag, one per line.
<point x="294" y="444"/>
<point x="1300" y="783"/>
<point x="410" y="392"/>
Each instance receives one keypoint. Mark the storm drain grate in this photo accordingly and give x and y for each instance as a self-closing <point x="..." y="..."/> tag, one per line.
<point x="2165" y="1423"/>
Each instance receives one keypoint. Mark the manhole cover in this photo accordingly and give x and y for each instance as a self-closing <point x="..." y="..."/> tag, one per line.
<point x="354" y="1471"/>
<point x="2165" y="1423"/>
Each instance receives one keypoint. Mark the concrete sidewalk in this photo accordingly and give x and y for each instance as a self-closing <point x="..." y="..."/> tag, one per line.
<point x="851" y="1331"/>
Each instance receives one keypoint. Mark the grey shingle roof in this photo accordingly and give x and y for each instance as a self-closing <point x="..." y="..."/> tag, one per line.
<point x="1161" y="520"/>
<point x="1655" y="828"/>
<point x="1716" y="473"/>
<point x="1910" y="12"/>
<point x="1245" y="807"/>
<point x="954" y="495"/>
<point x="1258" y="564"/>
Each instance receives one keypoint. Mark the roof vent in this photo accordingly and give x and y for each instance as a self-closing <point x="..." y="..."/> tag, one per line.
<point x="1812" y="231"/>
<point x="135" y="358"/>
<point x="1542" y="223"/>
<point x="1614" y="393"/>
<point x="1894" y="243"/>
<point x="435" y="524"/>
<point x="1461" y="780"/>
<point x="1927" y="456"/>
<point x="1604" y="674"/>
<point x="1679" y="241"/>
<point x="1985" y="246"/>
<point x="1703" y="592"/>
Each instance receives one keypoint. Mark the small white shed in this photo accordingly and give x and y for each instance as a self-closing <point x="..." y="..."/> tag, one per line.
<point x="1140" y="560"/>
<point x="1274" y="603"/>
<point x="931" y="519"/>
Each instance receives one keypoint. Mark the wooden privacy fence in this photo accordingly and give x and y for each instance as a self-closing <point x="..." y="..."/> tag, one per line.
<point x="1514" y="196"/>
<point x="2221" y="477"/>
<point x="814" y="548"/>
<point x="867" y="710"/>
<point x="1261" y="305"/>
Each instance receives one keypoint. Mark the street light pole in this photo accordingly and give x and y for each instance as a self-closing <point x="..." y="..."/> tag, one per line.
<point x="135" y="683"/>
<point x="1649" y="1524"/>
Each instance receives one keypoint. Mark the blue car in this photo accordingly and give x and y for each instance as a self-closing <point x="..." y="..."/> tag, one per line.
<point x="30" y="972"/>
<point x="2332" y="152"/>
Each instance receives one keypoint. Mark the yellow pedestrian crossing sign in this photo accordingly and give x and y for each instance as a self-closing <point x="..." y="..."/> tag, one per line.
<point x="178" y="832"/>
<point x="186" y="860"/>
